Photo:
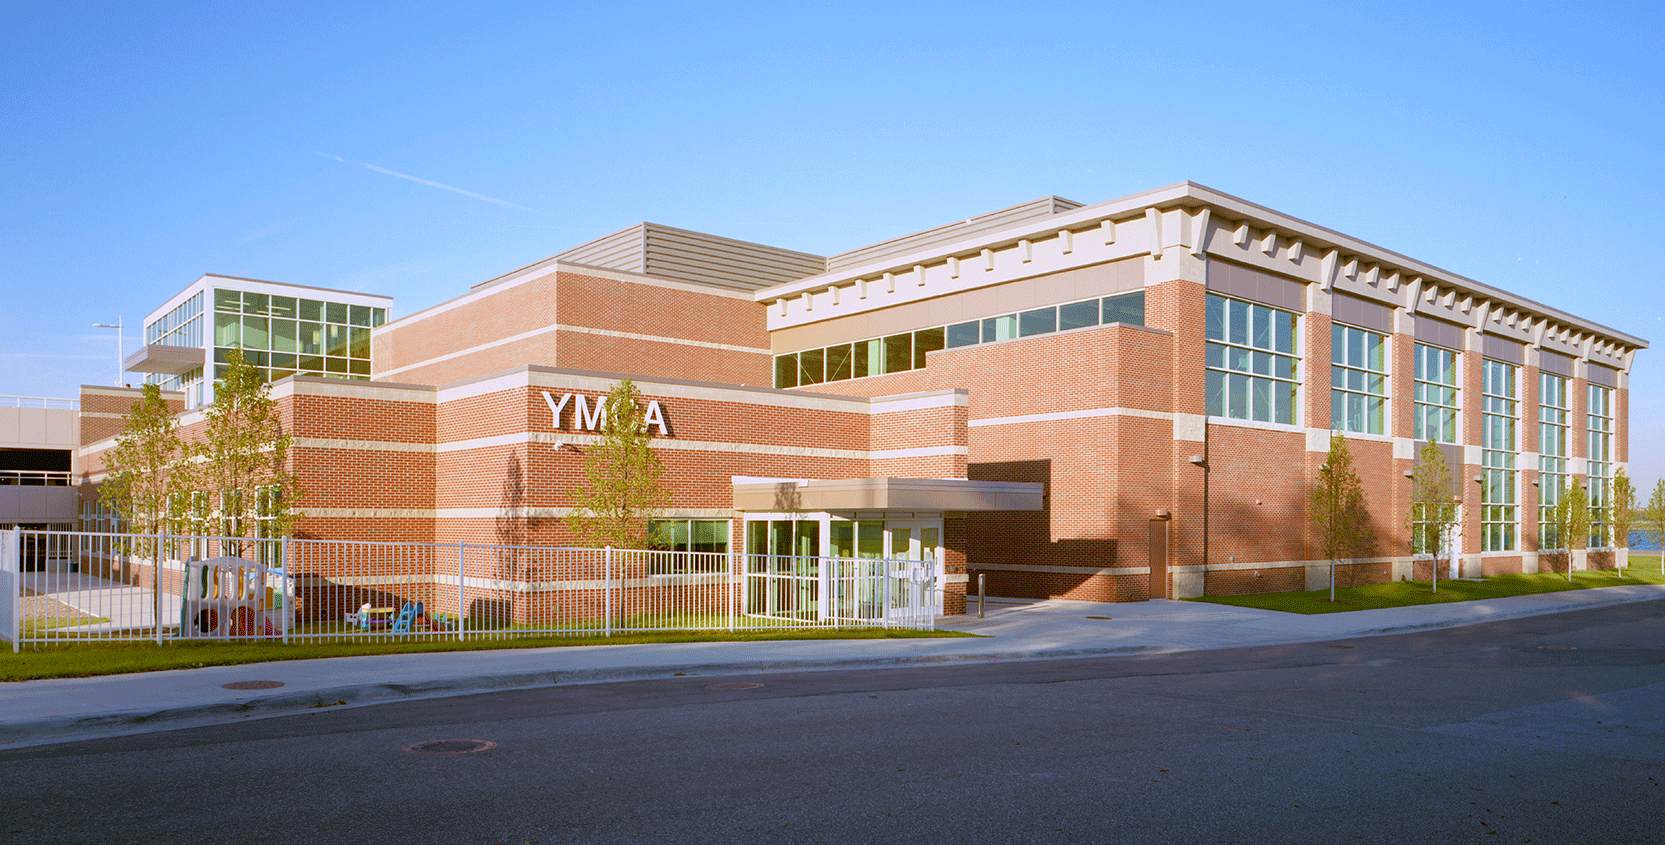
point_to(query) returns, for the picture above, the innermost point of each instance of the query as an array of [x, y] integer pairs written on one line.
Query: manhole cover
[[450, 746], [738, 685], [1558, 648], [1098, 617], [253, 685]]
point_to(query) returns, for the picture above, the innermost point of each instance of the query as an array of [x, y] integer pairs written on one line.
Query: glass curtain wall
[[286, 335], [180, 327]]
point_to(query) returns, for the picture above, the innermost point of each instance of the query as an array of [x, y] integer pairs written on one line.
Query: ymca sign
[[588, 417]]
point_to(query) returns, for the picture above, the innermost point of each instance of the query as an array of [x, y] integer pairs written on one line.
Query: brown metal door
[[1159, 558]]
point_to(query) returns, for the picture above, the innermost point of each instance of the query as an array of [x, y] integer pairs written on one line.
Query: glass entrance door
[[782, 567], [913, 548]]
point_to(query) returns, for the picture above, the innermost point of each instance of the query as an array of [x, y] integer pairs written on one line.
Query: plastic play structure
[[384, 620], [231, 597]]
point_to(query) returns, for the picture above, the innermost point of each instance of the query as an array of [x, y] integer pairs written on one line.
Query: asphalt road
[[1546, 730]]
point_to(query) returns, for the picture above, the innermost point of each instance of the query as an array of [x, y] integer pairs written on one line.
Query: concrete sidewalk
[[62, 710]]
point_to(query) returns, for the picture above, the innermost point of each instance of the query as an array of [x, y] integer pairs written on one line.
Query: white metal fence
[[67, 586]]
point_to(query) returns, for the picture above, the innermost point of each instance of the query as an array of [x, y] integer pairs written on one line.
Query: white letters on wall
[[588, 417]]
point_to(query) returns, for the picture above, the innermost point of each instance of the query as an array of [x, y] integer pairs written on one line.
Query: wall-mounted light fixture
[[1197, 460]]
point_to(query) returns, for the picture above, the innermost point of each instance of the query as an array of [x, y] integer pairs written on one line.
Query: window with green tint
[[1125, 308], [284, 337], [335, 340], [1435, 393], [228, 300], [283, 306], [310, 363], [359, 315], [256, 303], [812, 366], [1038, 321], [1000, 328], [1246, 377], [359, 342], [838, 362], [1554, 417], [865, 358], [1499, 410], [358, 367], [283, 359], [925, 340], [1598, 407], [378, 316], [1358, 380], [965, 334], [335, 365], [898, 353], [1078, 315], [310, 309], [311, 338], [335, 312], [228, 330], [786, 370], [254, 333]]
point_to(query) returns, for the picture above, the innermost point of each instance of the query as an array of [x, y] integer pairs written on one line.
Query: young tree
[[240, 465], [1433, 506], [1622, 514], [1336, 507], [1653, 520], [144, 480], [625, 486], [1570, 521]]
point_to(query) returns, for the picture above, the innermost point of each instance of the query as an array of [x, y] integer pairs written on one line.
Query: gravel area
[[37, 606]]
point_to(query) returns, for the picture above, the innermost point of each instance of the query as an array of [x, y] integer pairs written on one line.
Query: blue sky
[[415, 150]]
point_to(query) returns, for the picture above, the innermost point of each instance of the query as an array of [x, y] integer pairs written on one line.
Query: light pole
[[120, 346]]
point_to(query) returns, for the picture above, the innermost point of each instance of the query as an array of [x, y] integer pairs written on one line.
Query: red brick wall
[[406, 350]]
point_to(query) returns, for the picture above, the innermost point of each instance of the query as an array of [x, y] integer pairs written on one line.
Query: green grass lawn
[[1644, 569], [93, 658]]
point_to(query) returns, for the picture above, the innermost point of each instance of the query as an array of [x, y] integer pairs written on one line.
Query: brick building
[[1112, 402]]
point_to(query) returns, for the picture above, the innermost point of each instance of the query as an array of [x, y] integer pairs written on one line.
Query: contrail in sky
[[440, 185]]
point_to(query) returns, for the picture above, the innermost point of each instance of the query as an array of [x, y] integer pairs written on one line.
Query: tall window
[[1358, 380], [1497, 457], [1436, 394], [1252, 371], [1600, 468], [1552, 454]]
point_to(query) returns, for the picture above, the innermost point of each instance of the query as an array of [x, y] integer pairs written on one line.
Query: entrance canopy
[[906, 494]]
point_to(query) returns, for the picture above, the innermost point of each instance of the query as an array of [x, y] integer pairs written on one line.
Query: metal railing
[[39, 402], [33, 478], [71, 586]]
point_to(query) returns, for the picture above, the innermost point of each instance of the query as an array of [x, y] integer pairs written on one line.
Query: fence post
[[733, 593], [11, 575], [156, 581], [607, 592], [288, 607], [461, 628], [884, 609]]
